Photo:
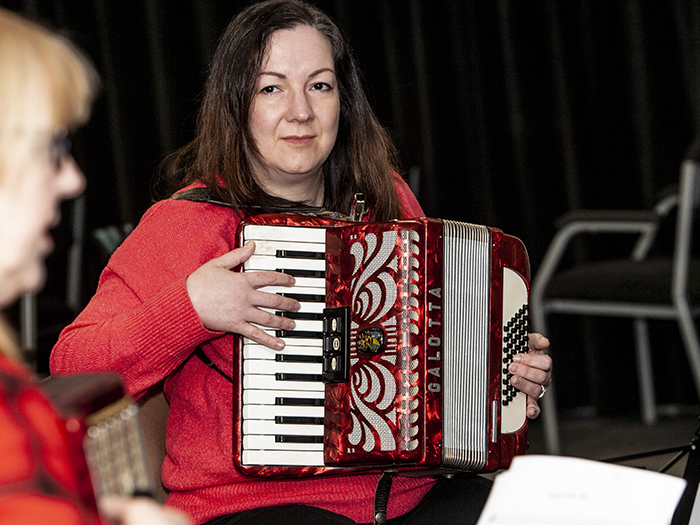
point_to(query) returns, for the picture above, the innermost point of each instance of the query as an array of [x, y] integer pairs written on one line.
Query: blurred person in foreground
[[46, 90]]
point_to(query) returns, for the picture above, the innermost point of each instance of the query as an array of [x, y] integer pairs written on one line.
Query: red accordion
[[400, 354], [104, 436]]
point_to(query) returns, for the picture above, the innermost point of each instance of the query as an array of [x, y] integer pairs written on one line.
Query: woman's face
[[295, 114], [37, 174]]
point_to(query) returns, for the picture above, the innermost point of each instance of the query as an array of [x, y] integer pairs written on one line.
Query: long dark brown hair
[[362, 160]]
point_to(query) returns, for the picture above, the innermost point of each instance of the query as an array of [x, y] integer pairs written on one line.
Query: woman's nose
[[70, 180], [300, 107]]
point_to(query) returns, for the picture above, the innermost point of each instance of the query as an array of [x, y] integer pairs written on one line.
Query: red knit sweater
[[39, 483], [142, 325]]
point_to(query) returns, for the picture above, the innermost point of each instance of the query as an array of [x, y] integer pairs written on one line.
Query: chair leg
[[686, 324], [644, 371], [29, 328], [551, 423]]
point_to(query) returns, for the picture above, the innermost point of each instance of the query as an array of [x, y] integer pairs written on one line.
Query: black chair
[[640, 287]]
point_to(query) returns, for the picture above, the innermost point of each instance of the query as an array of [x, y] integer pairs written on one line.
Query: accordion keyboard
[[283, 391]]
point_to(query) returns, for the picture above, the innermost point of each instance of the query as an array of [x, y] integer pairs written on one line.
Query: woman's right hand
[[228, 301]]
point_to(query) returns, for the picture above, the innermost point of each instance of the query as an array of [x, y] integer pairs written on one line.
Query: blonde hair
[[37, 62], [34, 58]]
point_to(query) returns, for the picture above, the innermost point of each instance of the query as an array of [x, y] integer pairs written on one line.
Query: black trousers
[[458, 500]]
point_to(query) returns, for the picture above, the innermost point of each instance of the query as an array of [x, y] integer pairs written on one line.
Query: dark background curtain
[[512, 113]]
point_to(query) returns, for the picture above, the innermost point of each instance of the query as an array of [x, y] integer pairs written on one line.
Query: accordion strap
[[204, 195], [205, 359], [199, 195], [381, 497]]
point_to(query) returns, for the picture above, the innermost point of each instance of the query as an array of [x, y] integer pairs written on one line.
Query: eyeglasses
[[60, 148]]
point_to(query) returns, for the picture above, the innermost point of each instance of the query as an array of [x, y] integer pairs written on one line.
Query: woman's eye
[[321, 86], [269, 89], [59, 149]]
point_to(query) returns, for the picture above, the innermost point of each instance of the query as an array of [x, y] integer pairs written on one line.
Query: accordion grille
[[115, 451], [466, 266]]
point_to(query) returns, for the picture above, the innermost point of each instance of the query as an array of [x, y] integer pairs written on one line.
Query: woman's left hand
[[118, 510], [532, 372]]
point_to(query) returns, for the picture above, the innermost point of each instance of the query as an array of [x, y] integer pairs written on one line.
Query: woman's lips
[[299, 140]]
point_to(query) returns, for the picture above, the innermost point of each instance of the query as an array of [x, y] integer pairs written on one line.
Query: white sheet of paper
[[548, 490]]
